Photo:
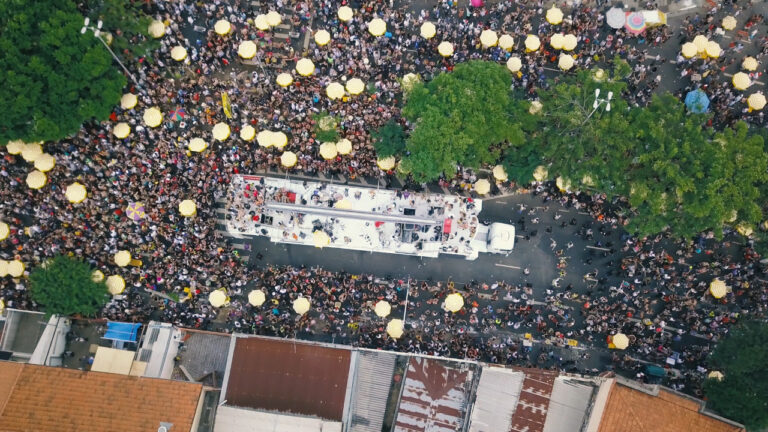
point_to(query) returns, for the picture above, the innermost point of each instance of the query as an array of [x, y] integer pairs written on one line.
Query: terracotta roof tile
[[9, 373], [629, 410], [51, 399]]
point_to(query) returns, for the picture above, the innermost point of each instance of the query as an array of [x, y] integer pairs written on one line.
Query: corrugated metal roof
[[496, 399], [568, 405]]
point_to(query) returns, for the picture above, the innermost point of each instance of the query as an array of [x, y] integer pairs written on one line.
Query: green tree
[[64, 287], [53, 77], [389, 139], [742, 395], [325, 127], [125, 21], [459, 117]]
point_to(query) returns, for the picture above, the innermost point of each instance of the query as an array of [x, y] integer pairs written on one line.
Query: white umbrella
[[454, 302], [445, 49], [322, 37], [217, 298], [247, 49], [499, 173], [153, 117], [222, 27], [382, 308], [121, 130], [620, 341], [355, 86], [345, 13], [488, 38], [305, 67], [45, 162], [197, 145], [128, 101], [428, 30], [377, 27], [256, 297], [301, 305], [115, 284], [328, 150], [221, 131], [395, 328], [482, 186], [285, 79], [344, 146], [156, 29], [288, 159], [274, 19], [514, 64], [615, 18], [334, 91], [178, 53], [247, 132], [123, 258], [506, 42], [261, 22], [187, 208], [565, 62]]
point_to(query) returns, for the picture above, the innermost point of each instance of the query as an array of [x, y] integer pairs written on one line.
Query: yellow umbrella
[[689, 50], [554, 15], [741, 81], [128, 101], [45, 162], [261, 22], [355, 86], [36, 179], [445, 49], [278, 139], [713, 49], [247, 133], [305, 67], [121, 130], [5, 230], [15, 268], [197, 145], [218, 298], [506, 42], [178, 53], [382, 308], [482, 186], [344, 146], [328, 150], [701, 43], [409, 80], [187, 208], [716, 375], [3, 268], [541, 173], [569, 42], [256, 297], [321, 239], [222, 27], [750, 64], [499, 173], [565, 62], [322, 37], [274, 19], [284, 79], [334, 91], [488, 38], [557, 40], [122, 258], [31, 152], [264, 138], [386, 164], [76, 193], [395, 328], [156, 29], [15, 147], [345, 13], [153, 117], [221, 131], [729, 23], [344, 204], [288, 159], [247, 49], [301, 305], [756, 101], [454, 302], [377, 27], [717, 288], [532, 43], [563, 184], [428, 30], [97, 276], [744, 229], [620, 341], [514, 64]]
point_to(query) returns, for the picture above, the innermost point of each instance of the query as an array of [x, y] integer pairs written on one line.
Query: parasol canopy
[[386, 164], [514, 64], [454, 302], [36, 179], [328, 150], [217, 298], [178, 53], [288, 159], [557, 40], [756, 101], [355, 86], [689, 50], [540, 173], [717, 288], [615, 18], [532, 43], [729, 23], [409, 80], [45, 162], [382, 308], [499, 173], [741, 81], [635, 23], [482, 186], [301, 305], [322, 37], [221, 131], [222, 27], [31, 152], [716, 375], [750, 64], [321, 239], [247, 49], [122, 258], [701, 42], [261, 22], [274, 19], [197, 145], [156, 29], [135, 211], [97, 276], [506, 42], [264, 138], [247, 133], [76, 193], [284, 79], [488, 38], [377, 27], [334, 91], [153, 117], [554, 15], [445, 49], [569, 42], [128, 101], [5, 230], [115, 284], [178, 114], [344, 146], [187, 208], [565, 62], [697, 101], [713, 49], [15, 147], [428, 30], [3, 268], [15, 268], [395, 328], [305, 67], [256, 297], [121, 130], [278, 139], [345, 13], [620, 341]]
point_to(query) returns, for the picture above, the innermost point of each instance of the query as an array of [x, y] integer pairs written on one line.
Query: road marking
[[599, 248], [519, 236], [508, 266]]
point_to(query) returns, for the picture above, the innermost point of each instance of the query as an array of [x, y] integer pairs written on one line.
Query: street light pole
[[596, 104], [97, 34]]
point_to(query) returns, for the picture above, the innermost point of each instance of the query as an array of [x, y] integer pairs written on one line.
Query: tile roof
[[48, 399], [629, 410]]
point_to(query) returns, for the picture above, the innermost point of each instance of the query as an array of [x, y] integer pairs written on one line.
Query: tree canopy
[[64, 287], [54, 78], [389, 139], [742, 395]]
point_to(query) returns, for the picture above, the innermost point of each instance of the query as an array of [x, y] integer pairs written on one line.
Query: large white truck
[[498, 238]]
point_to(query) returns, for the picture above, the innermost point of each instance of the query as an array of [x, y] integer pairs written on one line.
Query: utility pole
[[97, 33]]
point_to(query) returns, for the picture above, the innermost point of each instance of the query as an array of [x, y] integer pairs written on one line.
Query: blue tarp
[[120, 331], [697, 101]]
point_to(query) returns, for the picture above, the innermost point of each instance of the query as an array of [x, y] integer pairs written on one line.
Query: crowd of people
[[662, 285]]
